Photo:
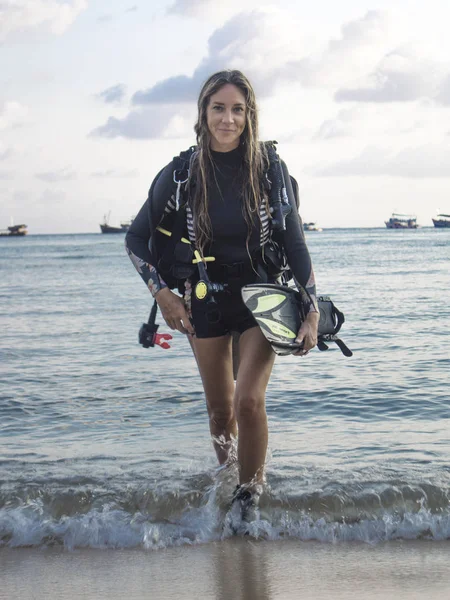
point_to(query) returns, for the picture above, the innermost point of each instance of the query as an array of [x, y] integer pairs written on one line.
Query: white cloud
[[151, 122], [104, 19], [340, 126], [368, 29], [114, 94], [211, 9], [188, 7], [443, 95], [265, 43], [6, 175], [17, 16], [119, 173], [179, 88], [403, 75], [138, 124], [374, 123], [64, 174], [431, 160], [12, 114], [248, 41], [347, 57]]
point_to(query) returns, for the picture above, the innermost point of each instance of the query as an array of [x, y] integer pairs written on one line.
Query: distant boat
[[398, 221], [126, 225], [441, 221], [311, 227], [14, 231], [105, 227]]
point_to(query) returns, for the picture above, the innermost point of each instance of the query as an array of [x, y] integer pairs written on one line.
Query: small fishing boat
[[105, 227], [441, 220], [398, 221], [14, 231], [125, 226], [311, 227]]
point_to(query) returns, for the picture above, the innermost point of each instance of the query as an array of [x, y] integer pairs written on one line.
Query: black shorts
[[228, 313]]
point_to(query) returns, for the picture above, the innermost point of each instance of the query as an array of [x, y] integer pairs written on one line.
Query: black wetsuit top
[[229, 228]]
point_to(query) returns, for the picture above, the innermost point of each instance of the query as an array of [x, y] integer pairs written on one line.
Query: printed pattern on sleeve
[[149, 274]]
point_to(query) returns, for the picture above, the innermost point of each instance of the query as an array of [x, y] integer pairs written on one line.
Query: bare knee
[[250, 408], [221, 417]]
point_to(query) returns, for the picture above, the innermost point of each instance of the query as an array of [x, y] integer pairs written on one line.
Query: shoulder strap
[[278, 199], [181, 165], [295, 190], [181, 173]]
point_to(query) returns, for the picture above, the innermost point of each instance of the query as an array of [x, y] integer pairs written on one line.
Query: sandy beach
[[237, 569]]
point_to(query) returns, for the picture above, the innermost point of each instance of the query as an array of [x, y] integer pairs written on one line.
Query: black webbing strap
[[181, 164], [166, 260], [278, 200], [340, 318], [333, 338]]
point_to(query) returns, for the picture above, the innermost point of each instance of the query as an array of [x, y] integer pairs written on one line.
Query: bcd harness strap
[[181, 171], [279, 202]]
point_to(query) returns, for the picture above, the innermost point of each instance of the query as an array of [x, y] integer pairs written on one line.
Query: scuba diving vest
[[173, 251]]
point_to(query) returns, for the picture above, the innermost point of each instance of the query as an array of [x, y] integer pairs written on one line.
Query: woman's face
[[226, 118]]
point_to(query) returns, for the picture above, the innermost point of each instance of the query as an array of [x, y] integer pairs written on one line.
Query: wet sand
[[236, 569]]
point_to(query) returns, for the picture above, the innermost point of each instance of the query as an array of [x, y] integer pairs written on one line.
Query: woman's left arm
[[300, 264]]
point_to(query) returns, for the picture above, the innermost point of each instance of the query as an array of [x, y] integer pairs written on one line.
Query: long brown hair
[[254, 156]]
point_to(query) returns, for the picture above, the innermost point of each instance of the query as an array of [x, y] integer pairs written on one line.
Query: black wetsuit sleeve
[[137, 239], [295, 246]]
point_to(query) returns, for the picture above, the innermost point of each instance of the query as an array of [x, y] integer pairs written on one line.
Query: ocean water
[[105, 444]]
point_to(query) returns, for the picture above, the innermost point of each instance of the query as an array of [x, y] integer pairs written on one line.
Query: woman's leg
[[215, 364], [256, 362]]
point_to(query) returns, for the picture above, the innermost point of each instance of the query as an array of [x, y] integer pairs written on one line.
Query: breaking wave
[[91, 517]]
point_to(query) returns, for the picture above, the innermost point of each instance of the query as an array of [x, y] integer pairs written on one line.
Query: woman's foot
[[244, 505]]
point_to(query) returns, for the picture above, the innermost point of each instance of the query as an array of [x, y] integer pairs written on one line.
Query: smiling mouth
[[228, 130]]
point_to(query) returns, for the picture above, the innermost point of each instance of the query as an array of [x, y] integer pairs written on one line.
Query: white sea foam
[[29, 525]]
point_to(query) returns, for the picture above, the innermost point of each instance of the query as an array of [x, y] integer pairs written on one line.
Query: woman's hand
[[307, 334], [173, 311]]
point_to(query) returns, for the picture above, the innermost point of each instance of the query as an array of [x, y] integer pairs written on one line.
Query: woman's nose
[[227, 116]]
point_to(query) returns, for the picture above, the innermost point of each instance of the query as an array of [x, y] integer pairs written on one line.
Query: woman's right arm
[[158, 203], [137, 240], [137, 246]]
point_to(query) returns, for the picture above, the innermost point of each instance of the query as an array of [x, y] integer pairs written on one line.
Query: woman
[[228, 217]]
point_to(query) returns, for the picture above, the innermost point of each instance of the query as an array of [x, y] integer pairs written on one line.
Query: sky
[[96, 96]]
